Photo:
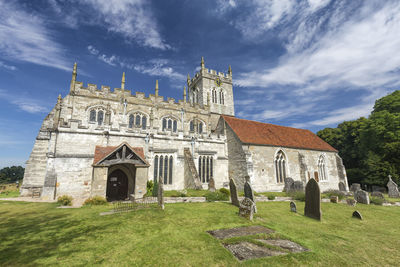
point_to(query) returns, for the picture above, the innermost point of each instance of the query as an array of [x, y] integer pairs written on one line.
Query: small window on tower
[[92, 117], [100, 117]]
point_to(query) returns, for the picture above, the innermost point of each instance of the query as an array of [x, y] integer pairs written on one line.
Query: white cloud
[[24, 37], [23, 103], [6, 66], [93, 50], [131, 18], [110, 60]]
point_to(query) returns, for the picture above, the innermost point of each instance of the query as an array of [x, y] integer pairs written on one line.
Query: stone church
[[103, 142]]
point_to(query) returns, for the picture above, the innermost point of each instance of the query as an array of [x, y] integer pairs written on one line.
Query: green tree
[[11, 174]]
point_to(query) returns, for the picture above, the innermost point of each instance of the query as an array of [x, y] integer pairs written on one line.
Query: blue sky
[[309, 64]]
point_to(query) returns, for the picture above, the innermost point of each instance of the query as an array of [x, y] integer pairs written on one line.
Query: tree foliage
[[11, 174], [370, 147]]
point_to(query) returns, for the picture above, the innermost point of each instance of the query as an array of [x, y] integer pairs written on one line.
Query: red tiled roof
[[102, 151], [258, 133]]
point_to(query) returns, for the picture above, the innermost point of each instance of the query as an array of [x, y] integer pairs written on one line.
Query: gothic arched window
[[170, 124], [321, 168], [196, 126], [100, 117], [280, 167], [92, 117], [137, 120], [163, 168]]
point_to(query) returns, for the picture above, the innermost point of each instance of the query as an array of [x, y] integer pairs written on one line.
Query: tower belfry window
[[137, 120]]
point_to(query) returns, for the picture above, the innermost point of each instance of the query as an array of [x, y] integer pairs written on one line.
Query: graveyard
[[42, 234]]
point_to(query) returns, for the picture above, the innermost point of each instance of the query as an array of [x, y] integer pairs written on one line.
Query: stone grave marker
[[160, 195], [355, 187], [342, 186], [334, 199], [234, 193], [312, 207], [361, 196], [293, 207], [393, 189], [351, 202], [377, 194], [247, 208], [298, 186], [289, 185], [211, 185], [357, 214], [249, 193]]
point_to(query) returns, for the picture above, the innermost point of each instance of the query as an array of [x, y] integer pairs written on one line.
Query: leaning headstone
[[160, 195], [293, 207], [247, 208], [342, 186], [289, 185], [249, 193], [334, 199], [355, 187], [362, 196], [234, 192], [357, 214], [211, 185], [351, 202], [393, 189], [312, 207], [377, 194], [298, 186]]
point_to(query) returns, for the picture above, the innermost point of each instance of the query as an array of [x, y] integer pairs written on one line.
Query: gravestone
[[293, 207], [298, 186], [249, 193], [393, 189], [160, 195], [357, 214], [355, 187], [289, 185], [361, 196], [377, 194], [376, 188], [334, 199], [312, 207], [351, 202], [234, 193], [342, 186], [211, 185], [247, 208]]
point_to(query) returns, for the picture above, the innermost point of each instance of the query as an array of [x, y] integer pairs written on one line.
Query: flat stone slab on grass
[[247, 250], [240, 231], [285, 244]]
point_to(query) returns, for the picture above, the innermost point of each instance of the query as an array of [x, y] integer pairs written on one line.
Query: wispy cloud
[[133, 19], [6, 66], [330, 47], [24, 37], [24, 103]]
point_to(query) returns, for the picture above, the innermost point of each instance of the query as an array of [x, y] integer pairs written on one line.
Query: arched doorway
[[117, 186]]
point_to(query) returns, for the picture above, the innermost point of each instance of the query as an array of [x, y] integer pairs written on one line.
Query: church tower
[[215, 85]]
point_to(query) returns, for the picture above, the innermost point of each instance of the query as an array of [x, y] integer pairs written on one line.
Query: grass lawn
[[41, 234], [10, 190]]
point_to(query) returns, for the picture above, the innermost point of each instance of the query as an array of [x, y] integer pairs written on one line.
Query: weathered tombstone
[[355, 187], [357, 214], [211, 185], [234, 193], [289, 185], [293, 207], [334, 199], [160, 195], [298, 186], [393, 189], [342, 186], [351, 202], [312, 207], [248, 191], [247, 208], [362, 196], [377, 194]]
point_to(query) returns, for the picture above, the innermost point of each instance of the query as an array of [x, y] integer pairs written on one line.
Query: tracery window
[[280, 167], [169, 124], [197, 127], [96, 115], [205, 167], [214, 95], [137, 120], [321, 168], [221, 98], [163, 167]]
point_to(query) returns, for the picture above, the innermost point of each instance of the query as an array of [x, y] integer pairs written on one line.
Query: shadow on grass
[[31, 236]]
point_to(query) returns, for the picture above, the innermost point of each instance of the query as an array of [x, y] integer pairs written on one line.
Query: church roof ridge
[[260, 133]]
